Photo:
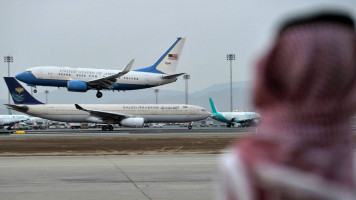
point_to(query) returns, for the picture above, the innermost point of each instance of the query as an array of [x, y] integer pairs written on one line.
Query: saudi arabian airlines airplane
[[129, 115], [84, 79], [246, 119]]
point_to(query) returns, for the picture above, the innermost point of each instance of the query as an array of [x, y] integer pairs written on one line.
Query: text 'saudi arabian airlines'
[[129, 115], [246, 119], [84, 79]]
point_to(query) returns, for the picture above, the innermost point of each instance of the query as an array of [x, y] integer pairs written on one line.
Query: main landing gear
[[35, 90], [107, 128], [190, 126], [99, 94]]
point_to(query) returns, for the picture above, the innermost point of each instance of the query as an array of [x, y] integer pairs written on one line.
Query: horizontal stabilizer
[[172, 76], [22, 109]]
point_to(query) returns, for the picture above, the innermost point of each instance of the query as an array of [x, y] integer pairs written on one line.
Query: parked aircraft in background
[[130, 115], [83, 79], [10, 120], [246, 119]]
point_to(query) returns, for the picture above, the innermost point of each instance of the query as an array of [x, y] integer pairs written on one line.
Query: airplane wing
[[106, 82], [19, 108], [172, 76], [103, 114]]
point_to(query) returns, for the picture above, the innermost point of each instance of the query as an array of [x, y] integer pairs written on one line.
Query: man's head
[[311, 68]]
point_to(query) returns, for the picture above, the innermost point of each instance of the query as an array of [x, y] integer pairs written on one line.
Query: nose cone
[[26, 77], [21, 76]]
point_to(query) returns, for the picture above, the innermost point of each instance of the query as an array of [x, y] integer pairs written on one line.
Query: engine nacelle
[[132, 122], [77, 86]]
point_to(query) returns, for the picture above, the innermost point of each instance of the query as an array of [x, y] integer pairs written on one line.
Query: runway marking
[[133, 182]]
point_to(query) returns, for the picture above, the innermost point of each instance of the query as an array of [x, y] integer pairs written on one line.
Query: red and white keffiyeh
[[305, 89]]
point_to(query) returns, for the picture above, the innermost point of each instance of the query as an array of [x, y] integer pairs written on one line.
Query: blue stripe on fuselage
[[30, 79], [130, 87]]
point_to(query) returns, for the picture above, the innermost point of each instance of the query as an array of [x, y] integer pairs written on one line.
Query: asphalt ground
[[137, 164], [134, 177]]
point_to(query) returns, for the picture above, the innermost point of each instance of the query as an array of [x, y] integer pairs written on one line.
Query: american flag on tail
[[172, 56]]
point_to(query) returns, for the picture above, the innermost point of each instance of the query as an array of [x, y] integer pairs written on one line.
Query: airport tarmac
[[109, 177], [162, 163], [123, 164]]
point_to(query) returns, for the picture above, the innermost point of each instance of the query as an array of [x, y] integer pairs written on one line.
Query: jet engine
[[77, 86], [132, 122]]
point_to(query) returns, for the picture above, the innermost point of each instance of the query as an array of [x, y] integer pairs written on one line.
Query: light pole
[[8, 59], [230, 57], [156, 91], [186, 78], [46, 92]]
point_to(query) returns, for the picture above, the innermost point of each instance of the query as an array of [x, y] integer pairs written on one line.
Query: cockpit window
[[28, 71]]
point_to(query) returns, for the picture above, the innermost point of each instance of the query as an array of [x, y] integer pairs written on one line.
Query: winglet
[[78, 107], [128, 67]]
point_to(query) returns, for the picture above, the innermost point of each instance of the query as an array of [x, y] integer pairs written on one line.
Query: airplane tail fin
[[18, 93], [213, 109], [167, 63]]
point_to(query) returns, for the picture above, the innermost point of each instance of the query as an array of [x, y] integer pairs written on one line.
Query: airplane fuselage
[[151, 113], [59, 77], [235, 116], [11, 119]]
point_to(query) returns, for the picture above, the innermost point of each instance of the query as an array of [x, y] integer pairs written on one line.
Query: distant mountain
[[219, 92]]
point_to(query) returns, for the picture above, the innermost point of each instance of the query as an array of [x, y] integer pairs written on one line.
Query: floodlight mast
[[8, 59], [230, 57]]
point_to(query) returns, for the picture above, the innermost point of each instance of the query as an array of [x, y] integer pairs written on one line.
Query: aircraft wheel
[[110, 127], [104, 128], [229, 125], [190, 127], [99, 94], [35, 90]]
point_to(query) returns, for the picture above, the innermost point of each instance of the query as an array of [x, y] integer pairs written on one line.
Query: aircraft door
[[146, 79], [40, 74], [189, 112]]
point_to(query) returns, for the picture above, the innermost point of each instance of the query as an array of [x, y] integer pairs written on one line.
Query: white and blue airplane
[[245, 119], [84, 79], [9, 120]]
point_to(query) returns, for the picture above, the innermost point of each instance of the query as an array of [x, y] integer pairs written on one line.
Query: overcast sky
[[107, 34]]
